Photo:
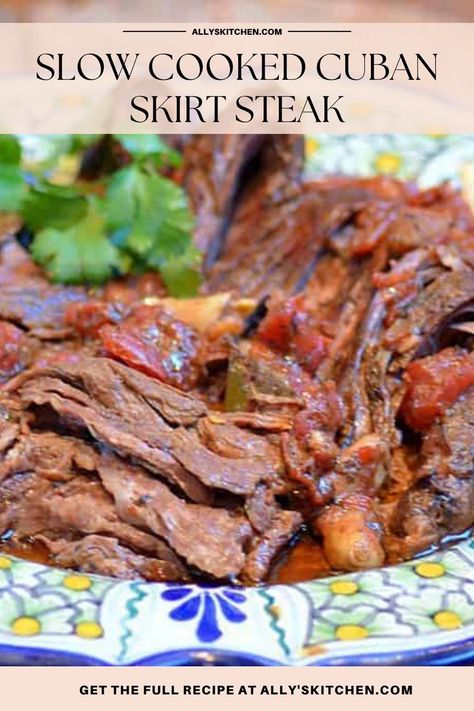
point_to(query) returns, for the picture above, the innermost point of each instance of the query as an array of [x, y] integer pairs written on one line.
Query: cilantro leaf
[[143, 222], [149, 219], [12, 183], [182, 275], [149, 145], [47, 205], [148, 215], [81, 253], [12, 187], [10, 149]]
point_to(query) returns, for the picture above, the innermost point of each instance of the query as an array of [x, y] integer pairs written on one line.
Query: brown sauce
[[302, 561], [34, 551]]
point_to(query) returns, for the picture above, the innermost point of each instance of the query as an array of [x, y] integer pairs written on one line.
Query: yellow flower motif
[[5, 563], [388, 163], [78, 583], [430, 570], [350, 633], [89, 630], [344, 587], [312, 146], [26, 626], [447, 620]]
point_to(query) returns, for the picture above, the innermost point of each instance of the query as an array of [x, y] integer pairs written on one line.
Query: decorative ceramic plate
[[416, 613]]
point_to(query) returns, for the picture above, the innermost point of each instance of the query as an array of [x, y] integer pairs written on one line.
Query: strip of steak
[[49, 493], [278, 237], [216, 169], [440, 497], [102, 555], [265, 547], [210, 539], [95, 395], [31, 505]]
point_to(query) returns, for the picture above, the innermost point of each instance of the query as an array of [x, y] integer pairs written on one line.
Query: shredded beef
[[440, 496], [170, 434], [106, 556], [217, 169], [265, 547], [211, 539], [329, 393], [120, 407]]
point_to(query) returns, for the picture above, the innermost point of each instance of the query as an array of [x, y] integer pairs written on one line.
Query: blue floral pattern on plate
[[204, 605]]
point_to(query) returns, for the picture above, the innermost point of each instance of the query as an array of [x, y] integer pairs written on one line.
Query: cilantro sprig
[[47, 205], [80, 253], [133, 220], [12, 183]]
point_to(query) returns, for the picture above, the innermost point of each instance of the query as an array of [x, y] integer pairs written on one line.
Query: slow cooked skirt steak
[[318, 395]]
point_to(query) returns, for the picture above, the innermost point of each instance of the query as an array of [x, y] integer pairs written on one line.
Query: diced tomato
[[310, 349], [131, 347], [12, 340], [151, 341], [288, 329], [434, 383], [87, 318], [279, 325]]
